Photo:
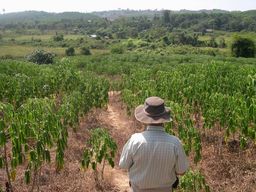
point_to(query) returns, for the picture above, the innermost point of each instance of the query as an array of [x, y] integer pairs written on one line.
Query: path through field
[[121, 127]]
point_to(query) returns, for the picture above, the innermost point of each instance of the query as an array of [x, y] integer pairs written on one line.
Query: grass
[[228, 36], [22, 51], [23, 44]]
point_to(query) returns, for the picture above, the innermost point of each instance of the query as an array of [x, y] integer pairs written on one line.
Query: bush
[[70, 51], [243, 47], [130, 44], [85, 51], [212, 43], [41, 57], [117, 50], [58, 37], [222, 43], [166, 40]]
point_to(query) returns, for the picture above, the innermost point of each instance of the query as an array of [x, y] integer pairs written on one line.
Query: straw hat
[[153, 111]]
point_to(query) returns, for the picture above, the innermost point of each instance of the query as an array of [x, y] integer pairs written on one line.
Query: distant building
[[93, 36], [209, 30]]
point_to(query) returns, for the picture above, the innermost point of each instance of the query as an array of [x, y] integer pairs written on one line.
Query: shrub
[[41, 57], [58, 37], [85, 51], [117, 50], [70, 51], [222, 43], [212, 43], [243, 47], [64, 45], [166, 40], [130, 44]]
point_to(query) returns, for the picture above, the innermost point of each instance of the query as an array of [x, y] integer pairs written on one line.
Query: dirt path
[[121, 127]]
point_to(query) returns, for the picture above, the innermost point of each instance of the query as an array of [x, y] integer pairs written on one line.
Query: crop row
[[37, 107]]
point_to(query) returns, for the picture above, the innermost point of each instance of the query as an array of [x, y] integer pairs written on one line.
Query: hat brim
[[141, 116]]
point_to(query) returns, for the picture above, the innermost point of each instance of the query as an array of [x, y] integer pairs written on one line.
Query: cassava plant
[[100, 148]]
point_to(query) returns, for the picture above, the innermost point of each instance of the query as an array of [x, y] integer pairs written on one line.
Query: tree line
[[130, 23]]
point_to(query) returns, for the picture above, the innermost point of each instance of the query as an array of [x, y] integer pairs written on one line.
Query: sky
[[100, 5]]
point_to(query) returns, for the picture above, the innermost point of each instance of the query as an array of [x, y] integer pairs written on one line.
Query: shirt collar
[[155, 128]]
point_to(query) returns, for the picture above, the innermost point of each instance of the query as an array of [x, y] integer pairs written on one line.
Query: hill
[[119, 20]]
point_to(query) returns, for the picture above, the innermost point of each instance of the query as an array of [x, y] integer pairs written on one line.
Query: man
[[153, 158]]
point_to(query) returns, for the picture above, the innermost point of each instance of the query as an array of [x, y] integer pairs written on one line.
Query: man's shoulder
[[172, 137], [175, 140], [140, 137], [136, 136]]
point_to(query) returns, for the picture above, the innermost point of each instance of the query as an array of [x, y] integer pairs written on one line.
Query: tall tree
[[166, 17]]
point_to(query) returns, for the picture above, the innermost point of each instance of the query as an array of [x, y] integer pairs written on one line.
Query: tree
[[85, 51], [166, 17], [117, 49], [166, 40], [41, 57], [243, 47], [212, 42], [70, 51], [58, 37], [222, 43]]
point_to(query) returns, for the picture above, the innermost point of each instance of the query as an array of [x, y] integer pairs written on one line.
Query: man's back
[[153, 158]]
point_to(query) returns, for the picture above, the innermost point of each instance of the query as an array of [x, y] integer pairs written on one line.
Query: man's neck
[[155, 128], [156, 125]]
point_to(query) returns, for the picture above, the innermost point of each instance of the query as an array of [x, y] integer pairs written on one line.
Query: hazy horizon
[[107, 5]]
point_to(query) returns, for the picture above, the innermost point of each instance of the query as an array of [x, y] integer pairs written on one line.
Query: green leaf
[[47, 156], [32, 155], [2, 138], [26, 147], [111, 162], [94, 166], [20, 158], [27, 176], [1, 162], [83, 163], [14, 162], [242, 143]]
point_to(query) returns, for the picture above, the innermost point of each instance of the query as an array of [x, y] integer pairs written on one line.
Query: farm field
[[65, 119], [210, 134]]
